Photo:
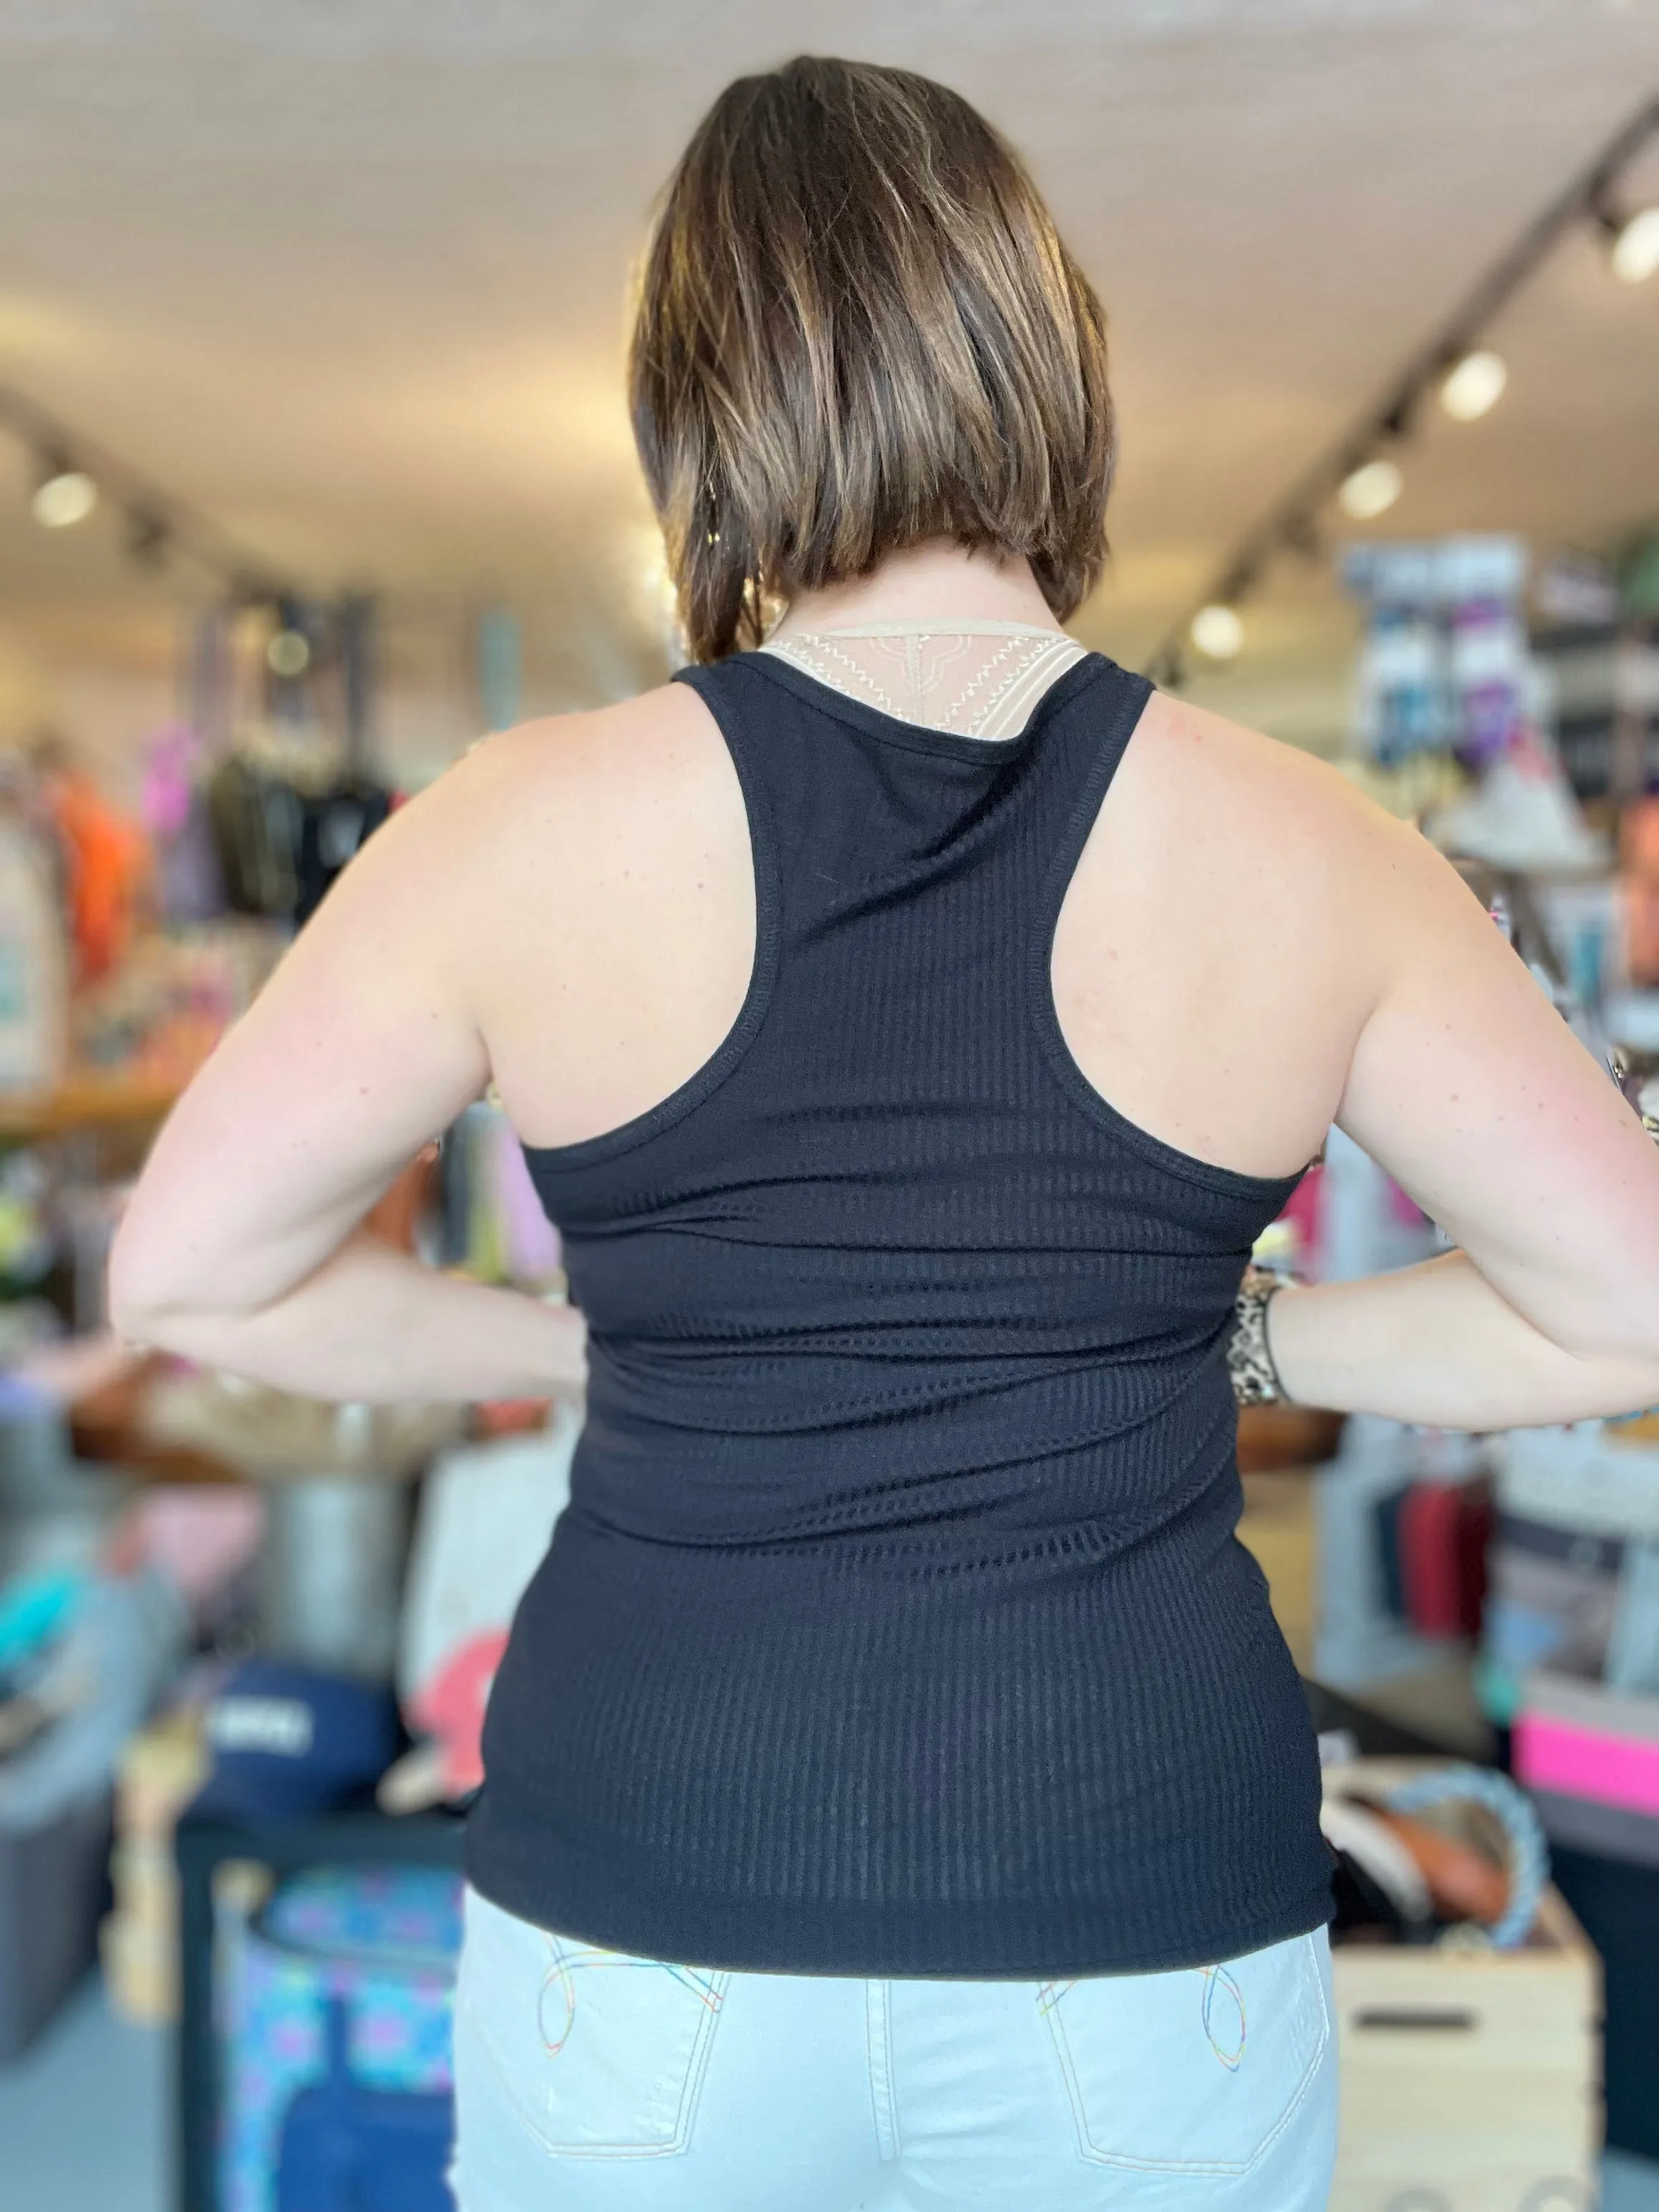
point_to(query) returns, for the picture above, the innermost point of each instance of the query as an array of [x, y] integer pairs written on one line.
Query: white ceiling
[[349, 274]]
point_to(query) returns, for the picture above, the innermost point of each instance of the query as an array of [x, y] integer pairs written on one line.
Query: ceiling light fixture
[[1453, 365], [1474, 386], [288, 653], [1636, 247], [64, 497], [1218, 632], [1369, 490]]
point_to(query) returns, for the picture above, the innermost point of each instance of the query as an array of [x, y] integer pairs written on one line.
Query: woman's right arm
[[1468, 1087]]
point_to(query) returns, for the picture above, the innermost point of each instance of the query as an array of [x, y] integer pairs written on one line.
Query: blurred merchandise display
[[1596, 632], [86, 1216], [269, 1436], [282, 1739], [1571, 1652], [34, 953], [1523, 814], [1638, 868], [485, 1517], [164, 1009], [205, 1539], [330, 1570], [1404, 1514], [94, 1679], [336, 1482], [287, 814], [160, 1770], [492, 1221], [1456, 1970], [88, 1655], [1590, 1756], [129, 945], [189, 880], [1446, 674], [107, 861], [337, 1994], [28, 1232]]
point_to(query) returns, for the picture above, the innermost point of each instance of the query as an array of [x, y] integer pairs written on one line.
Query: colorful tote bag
[[335, 2003]]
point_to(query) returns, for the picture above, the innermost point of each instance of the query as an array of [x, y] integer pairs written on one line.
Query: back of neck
[[931, 587]]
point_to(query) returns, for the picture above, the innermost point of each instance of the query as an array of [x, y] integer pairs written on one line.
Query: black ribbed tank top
[[897, 1625]]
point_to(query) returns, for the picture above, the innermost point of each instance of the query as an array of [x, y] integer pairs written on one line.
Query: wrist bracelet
[[1255, 1379]]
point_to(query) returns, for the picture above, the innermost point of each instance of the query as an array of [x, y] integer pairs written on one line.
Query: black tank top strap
[[853, 811]]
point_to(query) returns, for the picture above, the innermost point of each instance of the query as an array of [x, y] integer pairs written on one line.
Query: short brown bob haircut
[[858, 329]]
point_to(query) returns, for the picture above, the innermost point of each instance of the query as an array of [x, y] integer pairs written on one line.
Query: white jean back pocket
[[1198, 2071], [602, 2054]]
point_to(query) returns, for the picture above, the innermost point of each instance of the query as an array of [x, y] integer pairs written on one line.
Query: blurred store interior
[[315, 465]]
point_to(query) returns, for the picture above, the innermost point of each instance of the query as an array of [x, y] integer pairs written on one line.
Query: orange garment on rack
[[108, 860]]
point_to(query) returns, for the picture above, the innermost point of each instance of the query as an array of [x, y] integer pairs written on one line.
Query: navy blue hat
[[287, 1740]]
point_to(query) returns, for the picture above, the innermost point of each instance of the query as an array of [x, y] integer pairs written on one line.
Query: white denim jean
[[591, 2080]]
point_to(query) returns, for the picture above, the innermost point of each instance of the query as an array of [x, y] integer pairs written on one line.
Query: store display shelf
[[88, 1099], [1274, 1436]]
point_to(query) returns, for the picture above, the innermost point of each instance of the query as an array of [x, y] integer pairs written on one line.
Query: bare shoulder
[[571, 767], [572, 796], [598, 905], [549, 829], [1216, 958], [1229, 782], [1272, 819]]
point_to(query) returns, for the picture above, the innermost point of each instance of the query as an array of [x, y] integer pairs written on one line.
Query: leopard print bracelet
[[1249, 1363]]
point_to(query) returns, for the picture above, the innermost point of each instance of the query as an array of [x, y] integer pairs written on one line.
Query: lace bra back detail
[[972, 679]]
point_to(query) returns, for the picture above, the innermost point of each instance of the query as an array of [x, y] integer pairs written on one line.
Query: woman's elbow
[[141, 1302], [1621, 1331]]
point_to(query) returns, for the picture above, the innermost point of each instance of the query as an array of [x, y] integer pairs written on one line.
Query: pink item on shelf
[[531, 1241], [1576, 1761], [1305, 1214], [450, 1709], [486, 1512], [169, 767], [201, 1538]]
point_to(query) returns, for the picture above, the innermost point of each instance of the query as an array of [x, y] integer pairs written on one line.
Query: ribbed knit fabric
[[897, 1625]]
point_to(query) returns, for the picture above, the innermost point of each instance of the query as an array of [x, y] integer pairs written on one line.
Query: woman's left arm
[[241, 1245]]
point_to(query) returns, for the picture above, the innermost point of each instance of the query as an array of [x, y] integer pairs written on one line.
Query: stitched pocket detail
[[1196, 2072], [602, 2054]]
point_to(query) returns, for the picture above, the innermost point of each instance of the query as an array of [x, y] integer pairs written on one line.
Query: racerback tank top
[[896, 1624]]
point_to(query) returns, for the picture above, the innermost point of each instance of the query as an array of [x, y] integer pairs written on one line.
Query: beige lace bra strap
[[979, 679]]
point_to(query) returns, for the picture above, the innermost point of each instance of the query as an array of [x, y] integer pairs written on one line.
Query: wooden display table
[[1271, 1437], [88, 1099]]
